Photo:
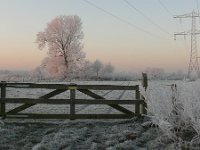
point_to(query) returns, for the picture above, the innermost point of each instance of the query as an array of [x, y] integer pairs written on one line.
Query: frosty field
[[109, 134]]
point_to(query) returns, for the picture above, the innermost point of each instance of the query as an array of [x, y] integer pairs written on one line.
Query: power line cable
[[197, 1], [166, 10], [120, 19], [165, 7], [146, 17]]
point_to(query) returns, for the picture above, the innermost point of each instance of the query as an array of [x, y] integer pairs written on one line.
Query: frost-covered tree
[[86, 71], [62, 37], [97, 67], [155, 73], [38, 74], [108, 68]]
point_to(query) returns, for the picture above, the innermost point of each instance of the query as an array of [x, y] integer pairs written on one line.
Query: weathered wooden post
[[145, 85], [137, 96], [144, 80], [144, 108], [72, 88], [3, 95]]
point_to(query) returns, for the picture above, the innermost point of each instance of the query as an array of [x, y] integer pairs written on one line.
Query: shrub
[[176, 110]]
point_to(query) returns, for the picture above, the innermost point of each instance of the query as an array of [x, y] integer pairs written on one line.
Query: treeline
[[96, 70], [91, 71]]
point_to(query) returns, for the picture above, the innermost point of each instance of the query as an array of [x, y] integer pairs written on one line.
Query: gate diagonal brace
[[46, 96], [96, 96]]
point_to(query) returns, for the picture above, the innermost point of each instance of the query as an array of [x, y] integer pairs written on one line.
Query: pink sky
[[106, 38]]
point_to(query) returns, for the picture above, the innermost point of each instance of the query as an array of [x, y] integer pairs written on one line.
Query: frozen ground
[[78, 135], [84, 134]]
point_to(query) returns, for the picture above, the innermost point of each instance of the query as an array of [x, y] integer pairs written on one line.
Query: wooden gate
[[138, 102]]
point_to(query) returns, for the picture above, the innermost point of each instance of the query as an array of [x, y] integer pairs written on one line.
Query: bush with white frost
[[176, 110]]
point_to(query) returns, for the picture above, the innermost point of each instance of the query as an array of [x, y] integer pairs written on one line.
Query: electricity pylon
[[193, 64]]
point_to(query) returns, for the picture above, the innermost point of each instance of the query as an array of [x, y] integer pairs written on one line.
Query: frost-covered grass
[[78, 135], [176, 110]]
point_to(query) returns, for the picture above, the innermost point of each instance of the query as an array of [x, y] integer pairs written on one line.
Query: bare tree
[[63, 37], [97, 67], [87, 70], [155, 73], [38, 74], [108, 68]]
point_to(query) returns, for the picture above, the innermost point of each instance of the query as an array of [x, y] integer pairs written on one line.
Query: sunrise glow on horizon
[[105, 37]]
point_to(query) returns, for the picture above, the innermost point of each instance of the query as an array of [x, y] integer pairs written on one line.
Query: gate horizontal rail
[[68, 116], [69, 86]]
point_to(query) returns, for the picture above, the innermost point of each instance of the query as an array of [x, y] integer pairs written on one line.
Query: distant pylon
[[193, 63]]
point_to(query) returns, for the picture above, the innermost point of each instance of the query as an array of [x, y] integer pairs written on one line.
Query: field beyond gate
[[72, 101]]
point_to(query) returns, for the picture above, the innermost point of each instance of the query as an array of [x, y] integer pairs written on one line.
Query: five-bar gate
[[25, 102]]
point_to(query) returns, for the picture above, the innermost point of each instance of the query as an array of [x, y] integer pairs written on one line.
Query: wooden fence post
[[144, 81], [137, 92], [72, 89], [144, 107], [3, 95], [137, 96]]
